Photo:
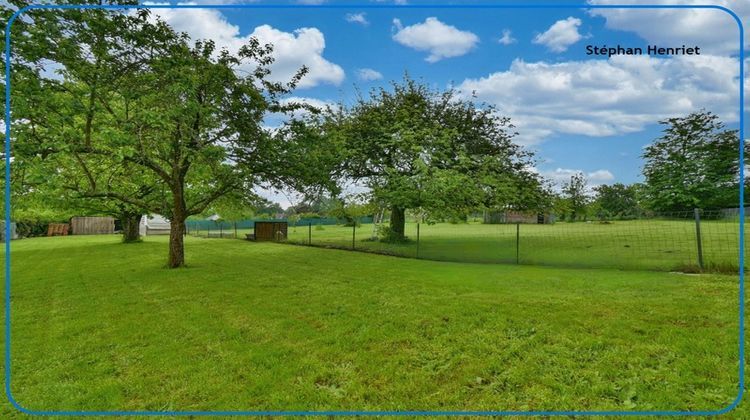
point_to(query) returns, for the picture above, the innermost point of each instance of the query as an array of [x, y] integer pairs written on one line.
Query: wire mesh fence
[[240, 229], [685, 241]]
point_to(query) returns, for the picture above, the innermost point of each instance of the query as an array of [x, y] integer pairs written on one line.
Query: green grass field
[[100, 325], [640, 244]]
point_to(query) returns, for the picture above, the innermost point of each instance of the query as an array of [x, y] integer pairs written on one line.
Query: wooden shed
[[270, 231], [95, 225]]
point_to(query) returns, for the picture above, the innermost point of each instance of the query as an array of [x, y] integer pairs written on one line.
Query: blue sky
[[578, 112]]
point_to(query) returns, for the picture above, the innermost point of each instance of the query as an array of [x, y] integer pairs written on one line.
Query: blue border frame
[[726, 409]]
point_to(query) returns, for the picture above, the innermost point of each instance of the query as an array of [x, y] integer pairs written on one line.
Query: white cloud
[[563, 175], [318, 103], [714, 30], [506, 39], [292, 50], [302, 47], [608, 97], [303, 100], [275, 120], [359, 18], [437, 38], [560, 176], [369, 74], [600, 176], [560, 35]]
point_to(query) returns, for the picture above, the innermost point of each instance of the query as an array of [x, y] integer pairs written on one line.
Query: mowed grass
[[100, 325], [639, 244]]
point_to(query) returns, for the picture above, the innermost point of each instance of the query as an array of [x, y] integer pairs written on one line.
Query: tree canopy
[[695, 163], [414, 147], [617, 200], [142, 119], [575, 196]]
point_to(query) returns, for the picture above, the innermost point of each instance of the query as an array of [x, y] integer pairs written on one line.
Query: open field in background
[[636, 244], [100, 325]]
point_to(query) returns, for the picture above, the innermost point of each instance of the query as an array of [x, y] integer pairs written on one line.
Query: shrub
[[31, 228], [386, 235]]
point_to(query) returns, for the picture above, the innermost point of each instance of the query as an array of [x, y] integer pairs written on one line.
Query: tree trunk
[[398, 222], [176, 243], [131, 227], [177, 228]]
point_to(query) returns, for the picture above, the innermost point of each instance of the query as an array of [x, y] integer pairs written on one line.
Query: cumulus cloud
[[359, 18], [292, 50], [560, 35], [560, 176], [507, 38], [369, 74], [437, 38], [608, 97], [600, 176], [303, 100], [714, 30], [563, 175]]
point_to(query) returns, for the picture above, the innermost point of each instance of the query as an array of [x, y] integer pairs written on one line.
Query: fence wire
[[682, 241]]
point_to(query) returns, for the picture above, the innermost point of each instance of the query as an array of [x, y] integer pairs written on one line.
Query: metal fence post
[[309, 233], [518, 243], [417, 240], [354, 232], [235, 230], [698, 241]]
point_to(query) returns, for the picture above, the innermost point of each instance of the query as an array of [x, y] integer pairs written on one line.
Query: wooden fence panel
[[270, 231], [92, 225], [57, 229]]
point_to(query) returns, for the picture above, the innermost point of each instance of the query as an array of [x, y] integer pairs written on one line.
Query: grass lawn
[[99, 325], [637, 244]]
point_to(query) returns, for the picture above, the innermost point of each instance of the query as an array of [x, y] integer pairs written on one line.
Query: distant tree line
[[693, 164]]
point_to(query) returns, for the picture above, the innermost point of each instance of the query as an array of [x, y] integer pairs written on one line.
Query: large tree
[[695, 163], [617, 200], [575, 195], [177, 123], [67, 66], [418, 148]]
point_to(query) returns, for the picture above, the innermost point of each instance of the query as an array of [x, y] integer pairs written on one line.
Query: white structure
[[153, 224]]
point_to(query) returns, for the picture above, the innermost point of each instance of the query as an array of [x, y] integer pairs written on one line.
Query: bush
[[455, 220], [31, 228], [386, 235], [350, 221]]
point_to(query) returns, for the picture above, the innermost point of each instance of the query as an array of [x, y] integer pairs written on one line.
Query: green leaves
[[139, 120], [618, 200], [419, 148], [574, 194], [693, 164]]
